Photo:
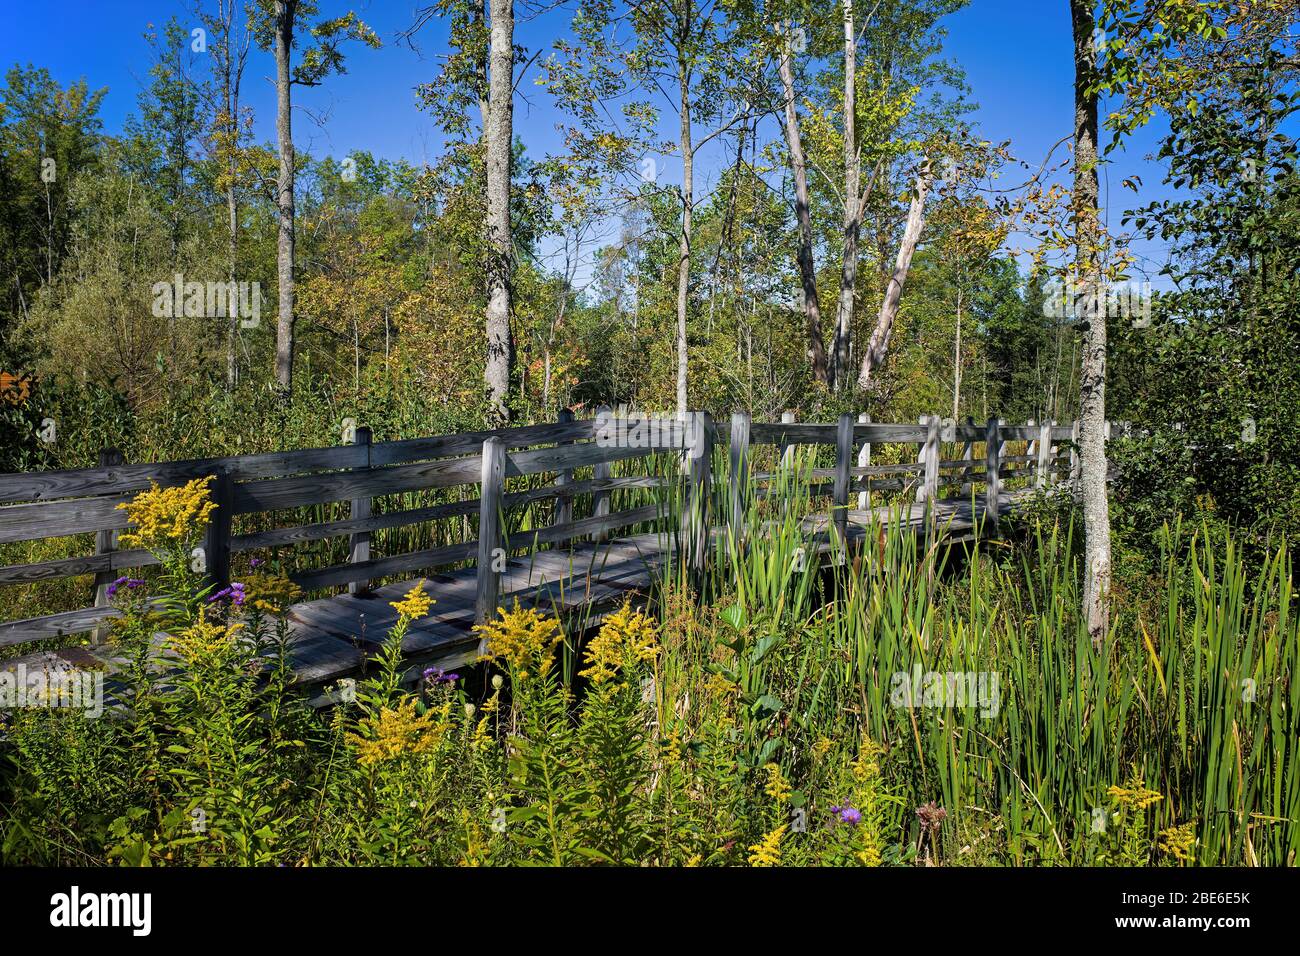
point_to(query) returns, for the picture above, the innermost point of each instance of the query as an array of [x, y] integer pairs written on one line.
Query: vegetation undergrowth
[[908, 706]]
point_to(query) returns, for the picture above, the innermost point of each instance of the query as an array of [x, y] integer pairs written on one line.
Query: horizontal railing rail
[[68, 503]]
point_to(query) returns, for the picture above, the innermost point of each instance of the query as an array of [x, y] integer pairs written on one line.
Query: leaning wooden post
[[105, 543], [843, 462], [693, 532], [491, 550], [359, 550], [564, 503], [992, 468], [216, 543], [864, 461], [929, 489], [601, 472], [1043, 473], [740, 422]]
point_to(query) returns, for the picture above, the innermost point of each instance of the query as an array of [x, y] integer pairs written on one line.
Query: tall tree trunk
[[878, 346], [285, 11], [852, 206], [807, 270], [684, 245], [501, 248], [1092, 373]]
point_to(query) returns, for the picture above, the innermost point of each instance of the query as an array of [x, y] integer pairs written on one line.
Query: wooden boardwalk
[[577, 569]]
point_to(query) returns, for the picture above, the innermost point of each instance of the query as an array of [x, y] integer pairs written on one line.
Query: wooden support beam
[[491, 545], [787, 451], [105, 543], [967, 454], [929, 488], [359, 542], [739, 472], [564, 503], [1076, 466], [693, 535], [992, 464], [843, 464], [600, 471], [216, 543], [1042, 473], [864, 461]]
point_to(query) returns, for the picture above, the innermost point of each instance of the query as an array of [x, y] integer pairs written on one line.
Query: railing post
[[1076, 466], [359, 550], [693, 532], [564, 503], [216, 543], [864, 461], [1043, 474], [992, 467], [600, 472], [740, 422], [491, 552], [843, 462], [967, 454], [787, 450], [929, 489], [105, 543]]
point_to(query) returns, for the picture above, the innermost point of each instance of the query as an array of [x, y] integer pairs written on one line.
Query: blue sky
[[1016, 54]]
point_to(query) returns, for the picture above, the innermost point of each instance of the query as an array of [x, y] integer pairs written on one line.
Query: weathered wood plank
[[383, 567], [54, 625]]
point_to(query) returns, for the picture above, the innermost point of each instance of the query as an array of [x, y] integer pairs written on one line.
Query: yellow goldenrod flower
[[767, 852], [777, 787], [1179, 842], [1136, 797], [522, 638], [165, 518], [415, 605], [869, 855], [397, 732], [271, 593], [204, 642], [822, 747], [627, 636]]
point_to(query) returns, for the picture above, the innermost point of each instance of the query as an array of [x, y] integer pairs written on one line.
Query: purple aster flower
[[234, 594], [436, 675], [255, 563], [851, 816]]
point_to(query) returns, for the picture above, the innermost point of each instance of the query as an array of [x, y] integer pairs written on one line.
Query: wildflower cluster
[[522, 638], [415, 604], [131, 584], [270, 593], [396, 732], [767, 851], [1179, 842], [1134, 797], [626, 637], [165, 518]]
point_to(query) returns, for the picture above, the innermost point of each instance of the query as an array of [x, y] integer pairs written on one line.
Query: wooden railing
[[54, 504]]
